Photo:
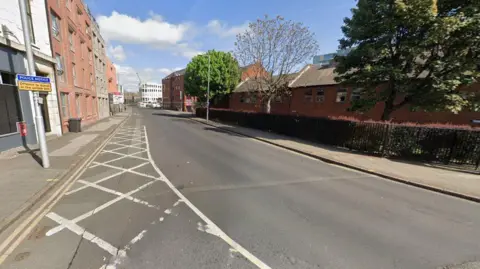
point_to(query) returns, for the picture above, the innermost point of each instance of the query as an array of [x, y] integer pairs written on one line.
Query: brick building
[[100, 66], [72, 46], [174, 92], [111, 71], [316, 93]]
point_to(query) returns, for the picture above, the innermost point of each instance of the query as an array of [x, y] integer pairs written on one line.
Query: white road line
[[129, 146], [124, 147], [106, 178], [129, 132], [123, 157], [249, 256], [26, 227], [126, 140], [128, 197], [84, 233], [128, 170], [98, 209], [130, 136]]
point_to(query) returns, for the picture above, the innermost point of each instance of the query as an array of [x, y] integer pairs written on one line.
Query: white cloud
[[152, 31], [117, 53], [168, 71], [127, 75], [186, 50], [224, 30]]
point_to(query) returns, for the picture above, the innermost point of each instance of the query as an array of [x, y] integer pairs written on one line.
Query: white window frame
[[320, 98], [55, 25], [341, 93]]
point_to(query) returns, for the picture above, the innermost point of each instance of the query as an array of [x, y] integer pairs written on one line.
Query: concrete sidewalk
[[459, 184], [24, 181]]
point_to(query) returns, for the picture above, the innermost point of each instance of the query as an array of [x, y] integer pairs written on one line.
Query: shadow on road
[[222, 131], [170, 115]]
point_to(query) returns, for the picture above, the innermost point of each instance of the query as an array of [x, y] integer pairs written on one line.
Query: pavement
[[461, 184], [168, 192], [24, 181]]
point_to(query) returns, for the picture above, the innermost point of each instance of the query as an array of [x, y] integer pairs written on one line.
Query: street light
[[208, 86], [31, 72]]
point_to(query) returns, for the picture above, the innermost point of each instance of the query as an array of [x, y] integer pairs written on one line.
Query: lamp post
[[31, 72], [208, 87]]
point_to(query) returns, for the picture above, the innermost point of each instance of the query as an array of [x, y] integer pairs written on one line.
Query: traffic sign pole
[[31, 72]]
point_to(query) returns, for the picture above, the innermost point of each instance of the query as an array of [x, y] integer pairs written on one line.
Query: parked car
[[142, 104], [156, 105]]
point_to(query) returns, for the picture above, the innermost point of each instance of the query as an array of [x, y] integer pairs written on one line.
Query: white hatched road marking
[[106, 178], [124, 147], [123, 169], [84, 233], [128, 197], [123, 157], [118, 255], [98, 209]]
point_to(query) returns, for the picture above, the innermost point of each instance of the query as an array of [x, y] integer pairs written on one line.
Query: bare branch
[[280, 47]]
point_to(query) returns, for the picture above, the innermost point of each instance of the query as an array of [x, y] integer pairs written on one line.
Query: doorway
[[45, 115]]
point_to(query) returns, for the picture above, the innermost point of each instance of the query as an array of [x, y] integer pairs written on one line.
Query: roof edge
[[304, 69]]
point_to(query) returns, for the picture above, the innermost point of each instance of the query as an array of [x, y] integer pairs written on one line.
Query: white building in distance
[[151, 92]]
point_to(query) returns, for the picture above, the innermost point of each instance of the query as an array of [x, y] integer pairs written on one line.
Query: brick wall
[[299, 104], [76, 59]]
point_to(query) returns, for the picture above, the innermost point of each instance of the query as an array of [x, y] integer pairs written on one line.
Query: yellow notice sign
[[34, 86]]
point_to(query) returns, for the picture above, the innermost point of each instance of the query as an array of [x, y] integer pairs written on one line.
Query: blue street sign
[[33, 79]]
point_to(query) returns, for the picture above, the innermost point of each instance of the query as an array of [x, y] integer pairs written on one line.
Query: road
[[169, 192]]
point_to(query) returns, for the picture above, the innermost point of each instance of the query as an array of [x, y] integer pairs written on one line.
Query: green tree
[[224, 75], [421, 51]]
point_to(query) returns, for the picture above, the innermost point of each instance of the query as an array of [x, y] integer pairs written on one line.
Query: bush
[[436, 143]]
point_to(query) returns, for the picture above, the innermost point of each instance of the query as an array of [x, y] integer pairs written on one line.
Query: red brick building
[[72, 47], [315, 93], [173, 94], [174, 89]]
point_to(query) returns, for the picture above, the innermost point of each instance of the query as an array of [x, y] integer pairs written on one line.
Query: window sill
[[9, 134]]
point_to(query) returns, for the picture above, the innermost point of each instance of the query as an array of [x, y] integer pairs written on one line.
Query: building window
[[55, 25], [7, 78], [30, 22], [307, 97], [320, 97], [89, 105], [89, 56], [10, 112], [84, 78], [67, 3], [82, 46], [71, 40], [60, 69], [74, 73], [278, 99], [356, 94], [341, 95], [78, 105], [64, 104]]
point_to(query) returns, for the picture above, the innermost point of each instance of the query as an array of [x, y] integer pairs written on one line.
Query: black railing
[[446, 146]]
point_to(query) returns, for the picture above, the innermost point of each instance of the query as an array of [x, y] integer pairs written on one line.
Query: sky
[[157, 37]]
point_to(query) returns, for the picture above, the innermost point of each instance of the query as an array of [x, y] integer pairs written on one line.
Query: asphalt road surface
[[169, 192]]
